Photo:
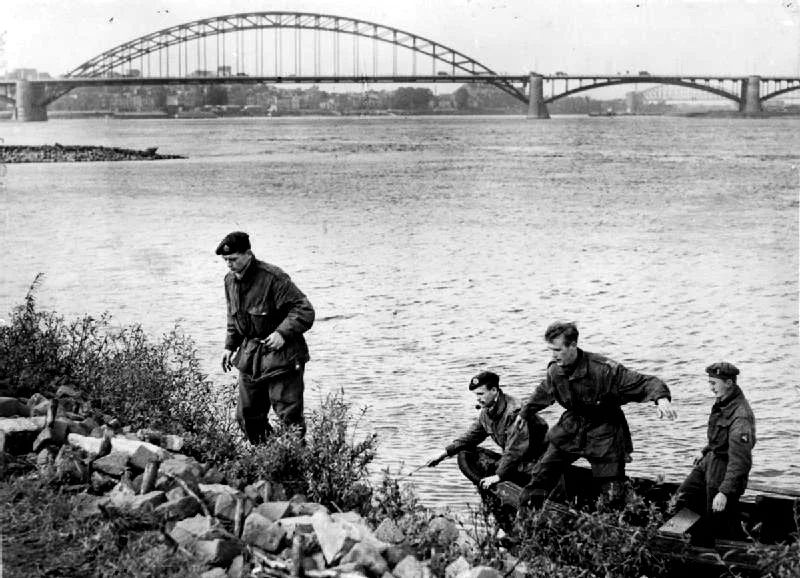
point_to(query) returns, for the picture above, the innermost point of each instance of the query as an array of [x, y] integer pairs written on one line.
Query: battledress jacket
[[265, 300], [731, 437], [497, 421], [593, 424]]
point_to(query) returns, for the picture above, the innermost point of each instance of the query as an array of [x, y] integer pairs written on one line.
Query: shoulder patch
[[745, 438]]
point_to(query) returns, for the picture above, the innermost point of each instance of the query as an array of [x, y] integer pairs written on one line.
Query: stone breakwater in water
[[232, 532], [59, 153]]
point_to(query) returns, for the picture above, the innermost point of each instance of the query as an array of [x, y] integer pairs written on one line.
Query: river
[[433, 248]]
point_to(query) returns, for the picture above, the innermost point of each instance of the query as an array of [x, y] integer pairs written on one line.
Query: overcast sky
[[715, 37]]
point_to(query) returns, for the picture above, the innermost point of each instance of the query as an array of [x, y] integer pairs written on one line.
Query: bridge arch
[[128, 52], [646, 80], [780, 91]]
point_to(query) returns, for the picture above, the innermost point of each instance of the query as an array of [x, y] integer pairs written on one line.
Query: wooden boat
[[769, 518]]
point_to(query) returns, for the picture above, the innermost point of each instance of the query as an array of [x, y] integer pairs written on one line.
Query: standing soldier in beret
[[267, 316], [592, 389], [521, 447], [719, 476]]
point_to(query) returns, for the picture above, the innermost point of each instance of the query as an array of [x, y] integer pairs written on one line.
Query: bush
[[327, 466], [120, 372], [600, 541]]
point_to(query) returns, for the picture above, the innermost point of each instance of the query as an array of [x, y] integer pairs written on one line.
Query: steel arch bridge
[[182, 35], [728, 87]]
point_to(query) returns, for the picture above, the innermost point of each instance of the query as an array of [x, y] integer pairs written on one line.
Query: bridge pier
[[536, 106], [28, 98], [751, 95]]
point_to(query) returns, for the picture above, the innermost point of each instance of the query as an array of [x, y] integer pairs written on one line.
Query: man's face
[[485, 396], [719, 387], [237, 262], [563, 354]]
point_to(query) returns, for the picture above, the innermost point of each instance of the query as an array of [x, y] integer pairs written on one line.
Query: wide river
[[433, 248]]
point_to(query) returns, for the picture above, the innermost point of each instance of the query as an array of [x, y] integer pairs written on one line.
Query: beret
[[722, 370], [236, 242], [487, 378]]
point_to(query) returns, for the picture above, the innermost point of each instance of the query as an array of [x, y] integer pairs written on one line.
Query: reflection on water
[[433, 248]]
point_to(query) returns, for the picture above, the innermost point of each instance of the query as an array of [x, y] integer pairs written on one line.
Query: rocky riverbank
[[142, 480], [58, 153]]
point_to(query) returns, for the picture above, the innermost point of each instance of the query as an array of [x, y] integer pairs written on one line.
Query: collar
[[578, 368], [499, 405], [733, 394], [247, 269]]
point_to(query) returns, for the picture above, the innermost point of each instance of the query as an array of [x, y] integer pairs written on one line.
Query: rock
[[273, 510], [188, 531], [334, 537], [395, 553], [179, 509], [297, 525], [410, 567], [236, 569], [20, 433], [389, 532], [173, 442], [175, 493], [481, 572], [118, 444], [262, 532], [143, 456], [38, 405], [218, 551], [305, 508], [368, 557], [181, 467], [457, 567], [101, 483], [12, 407], [214, 573], [114, 464], [225, 506]]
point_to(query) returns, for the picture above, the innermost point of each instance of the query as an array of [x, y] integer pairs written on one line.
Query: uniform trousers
[[283, 394], [697, 493]]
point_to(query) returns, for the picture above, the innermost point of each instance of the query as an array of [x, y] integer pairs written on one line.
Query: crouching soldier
[[520, 447]]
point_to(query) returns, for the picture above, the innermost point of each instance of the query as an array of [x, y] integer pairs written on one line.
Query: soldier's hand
[[436, 460], [227, 362], [488, 482], [665, 409], [275, 341], [719, 503]]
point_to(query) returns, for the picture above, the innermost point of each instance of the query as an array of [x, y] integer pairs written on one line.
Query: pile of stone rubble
[[252, 531], [58, 153]]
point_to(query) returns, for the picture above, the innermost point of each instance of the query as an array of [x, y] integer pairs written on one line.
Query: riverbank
[[57, 153]]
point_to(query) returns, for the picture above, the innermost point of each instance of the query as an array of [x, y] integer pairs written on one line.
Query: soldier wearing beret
[[592, 389], [267, 317], [719, 476], [521, 447]]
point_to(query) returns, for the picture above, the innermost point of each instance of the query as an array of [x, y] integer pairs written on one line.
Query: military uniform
[[593, 425], [726, 459], [520, 447], [263, 299]]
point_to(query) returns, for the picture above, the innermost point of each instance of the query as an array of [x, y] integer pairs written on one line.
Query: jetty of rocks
[[58, 153]]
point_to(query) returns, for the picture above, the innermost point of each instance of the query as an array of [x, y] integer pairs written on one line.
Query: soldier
[[267, 317], [520, 446], [592, 389], [719, 476]]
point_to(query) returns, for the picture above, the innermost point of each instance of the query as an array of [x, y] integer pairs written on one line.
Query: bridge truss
[[255, 45]]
